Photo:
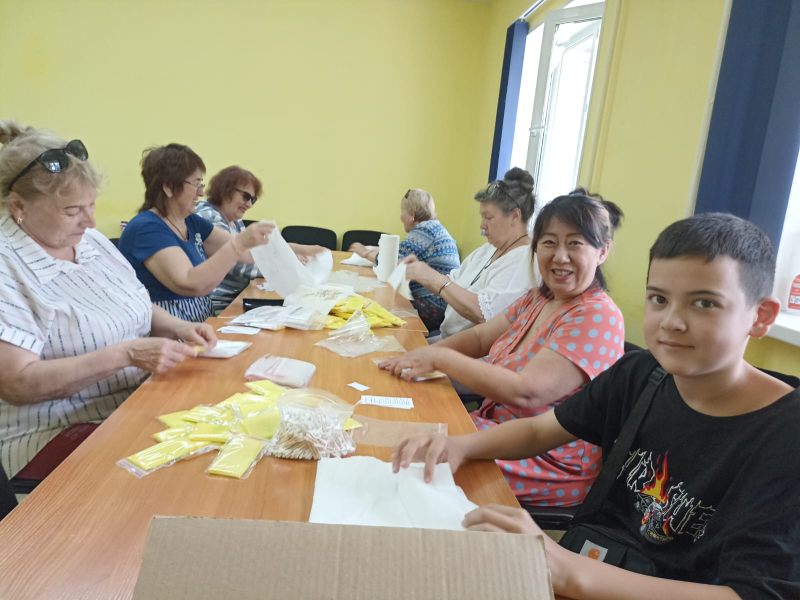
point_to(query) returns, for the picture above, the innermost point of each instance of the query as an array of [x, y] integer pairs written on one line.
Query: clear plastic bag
[[357, 282], [238, 456], [376, 432], [280, 370], [312, 426], [225, 349], [163, 455], [263, 317], [355, 338], [404, 313], [426, 377]]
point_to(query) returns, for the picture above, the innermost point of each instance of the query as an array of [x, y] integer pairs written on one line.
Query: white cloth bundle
[[388, 247]]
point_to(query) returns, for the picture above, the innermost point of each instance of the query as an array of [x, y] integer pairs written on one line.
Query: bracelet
[[444, 285]]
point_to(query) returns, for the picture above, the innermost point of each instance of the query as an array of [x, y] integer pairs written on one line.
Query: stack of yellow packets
[[376, 315]]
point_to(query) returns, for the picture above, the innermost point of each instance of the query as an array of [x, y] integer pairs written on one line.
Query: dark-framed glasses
[[248, 197], [55, 160], [495, 185]]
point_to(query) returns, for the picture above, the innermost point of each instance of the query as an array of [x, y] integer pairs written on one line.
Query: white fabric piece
[[388, 248], [239, 330], [357, 282], [499, 285], [284, 271], [362, 490], [357, 261], [319, 298], [265, 287], [225, 349], [399, 282]]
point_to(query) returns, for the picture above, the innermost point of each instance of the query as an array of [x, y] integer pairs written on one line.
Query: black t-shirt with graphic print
[[710, 499]]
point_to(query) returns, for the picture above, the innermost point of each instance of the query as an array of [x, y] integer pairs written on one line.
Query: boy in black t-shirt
[[710, 491]]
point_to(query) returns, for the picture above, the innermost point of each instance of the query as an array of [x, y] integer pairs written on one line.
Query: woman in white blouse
[[497, 273], [78, 332]]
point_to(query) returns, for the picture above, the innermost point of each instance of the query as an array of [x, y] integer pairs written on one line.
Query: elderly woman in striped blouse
[[78, 332]]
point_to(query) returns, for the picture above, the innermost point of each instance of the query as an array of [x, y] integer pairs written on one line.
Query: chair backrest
[[248, 222], [362, 236], [8, 500], [114, 241], [301, 234]]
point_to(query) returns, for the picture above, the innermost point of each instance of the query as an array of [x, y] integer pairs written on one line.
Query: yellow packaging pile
[[376, 315], [236, 457], [265, 388], [173, 419], [165, 452], [174, 433], [210, 432], [240, 398], [219, 415]]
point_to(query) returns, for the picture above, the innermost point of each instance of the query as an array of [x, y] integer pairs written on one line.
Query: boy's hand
[[433, 449], [499, 518]]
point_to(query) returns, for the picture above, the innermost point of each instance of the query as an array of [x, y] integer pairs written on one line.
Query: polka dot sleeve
[[520, 304], [589, 332]]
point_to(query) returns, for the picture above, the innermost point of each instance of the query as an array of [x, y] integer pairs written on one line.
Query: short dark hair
[[516, 191], [224, 183], [596, 219], [166, 165], [711, 235]]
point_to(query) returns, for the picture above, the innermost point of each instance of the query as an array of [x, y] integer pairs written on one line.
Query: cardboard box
[[228, 559]]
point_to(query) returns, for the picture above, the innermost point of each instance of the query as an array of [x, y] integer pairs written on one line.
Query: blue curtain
[[510, 83], [754, 134]]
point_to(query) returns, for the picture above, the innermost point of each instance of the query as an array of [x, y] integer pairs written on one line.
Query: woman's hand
[[411, 258], [254, 235], [361, 249], [413, 364], [157, 355], [433, 449], [423, 274], [196, 334], [305, 252]]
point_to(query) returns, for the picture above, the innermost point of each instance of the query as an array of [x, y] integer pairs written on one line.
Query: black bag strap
[[619, 453]]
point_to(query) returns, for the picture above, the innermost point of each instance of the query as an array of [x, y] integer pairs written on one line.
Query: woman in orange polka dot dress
[[543, 347]]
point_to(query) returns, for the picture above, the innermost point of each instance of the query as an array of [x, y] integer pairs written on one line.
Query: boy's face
[[696, 318]]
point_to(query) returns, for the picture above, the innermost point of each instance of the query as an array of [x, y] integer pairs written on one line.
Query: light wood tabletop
[[82, 532]]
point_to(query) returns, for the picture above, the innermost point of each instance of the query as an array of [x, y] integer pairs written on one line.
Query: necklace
[[183, 236], [486, 266]]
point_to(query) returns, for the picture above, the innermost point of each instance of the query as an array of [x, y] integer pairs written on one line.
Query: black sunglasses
[[495, 185], [55, 160], [248, 197]]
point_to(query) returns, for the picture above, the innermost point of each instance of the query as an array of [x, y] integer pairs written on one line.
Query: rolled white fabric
[[388, 247]]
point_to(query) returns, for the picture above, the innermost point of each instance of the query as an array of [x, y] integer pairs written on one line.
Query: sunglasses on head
[[55, 160], [248, 197], [495, 185]]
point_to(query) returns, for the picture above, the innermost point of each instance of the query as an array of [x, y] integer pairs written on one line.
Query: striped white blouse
[[59, 309]]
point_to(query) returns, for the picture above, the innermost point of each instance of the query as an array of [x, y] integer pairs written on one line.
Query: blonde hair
[[420, 204], [21, 145]]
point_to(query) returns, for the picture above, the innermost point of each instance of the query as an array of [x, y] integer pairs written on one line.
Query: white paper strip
[[387, 401]]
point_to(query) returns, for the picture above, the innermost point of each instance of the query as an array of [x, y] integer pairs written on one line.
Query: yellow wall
[[339, 107]]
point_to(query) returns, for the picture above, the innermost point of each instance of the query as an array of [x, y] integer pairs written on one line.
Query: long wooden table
[[82, 532]]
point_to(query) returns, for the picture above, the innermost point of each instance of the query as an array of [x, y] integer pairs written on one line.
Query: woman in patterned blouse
[[543, 347], [430, 243]]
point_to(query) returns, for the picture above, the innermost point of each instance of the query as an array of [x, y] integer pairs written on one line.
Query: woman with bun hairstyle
[[498, 272], [543, 347]]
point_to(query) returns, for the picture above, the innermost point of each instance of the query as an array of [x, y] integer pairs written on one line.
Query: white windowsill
[[786, 328]]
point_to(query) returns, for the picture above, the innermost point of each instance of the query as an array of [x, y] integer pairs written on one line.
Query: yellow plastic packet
[[350, 304], [242, 411], [373, 308], [265, 387], [377, 322], [263, 424], [352, 424], [219, 415], [237, 457], [162, 455], [174, 433], [332, 322], [210, 432], [239, 398], [173, 419]]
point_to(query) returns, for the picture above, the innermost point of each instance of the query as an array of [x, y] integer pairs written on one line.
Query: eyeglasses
[[200, 186], [495, 185], [248, 197], [55, 160]]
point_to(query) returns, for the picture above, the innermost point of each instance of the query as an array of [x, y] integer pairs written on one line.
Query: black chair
[[8, 501], [362, 236], [248, 222], [114, 241], [301, 234]]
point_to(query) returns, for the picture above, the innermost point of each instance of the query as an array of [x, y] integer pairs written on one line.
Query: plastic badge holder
[[242, 411], [238, 457], [355, 338], [262, 424], [163, 455], [174, 433], [208, 432], [280, 370], [376, 432], [426, 377], [312, 426], [226, 349], [218, 415]]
